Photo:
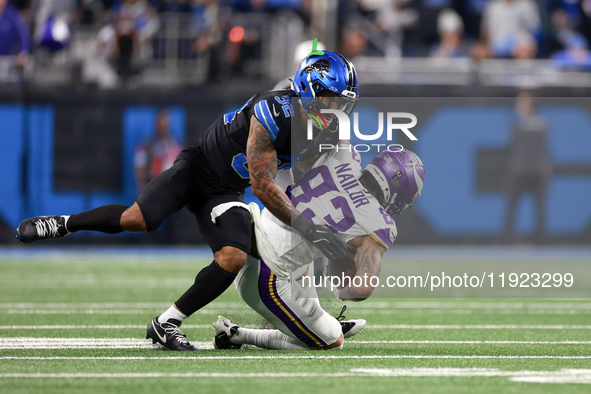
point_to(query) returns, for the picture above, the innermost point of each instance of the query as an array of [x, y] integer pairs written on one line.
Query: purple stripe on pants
[[265, 293]]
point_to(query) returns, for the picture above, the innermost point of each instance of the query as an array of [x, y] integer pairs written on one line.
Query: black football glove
[[321, 236]]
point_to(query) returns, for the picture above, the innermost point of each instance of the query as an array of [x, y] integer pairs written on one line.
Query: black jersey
[[221, 153]]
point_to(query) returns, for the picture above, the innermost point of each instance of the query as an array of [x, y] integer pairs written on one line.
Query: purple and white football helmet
[[395, 178]]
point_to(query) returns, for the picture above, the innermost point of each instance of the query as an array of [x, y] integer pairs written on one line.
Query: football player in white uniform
[[358, 205]]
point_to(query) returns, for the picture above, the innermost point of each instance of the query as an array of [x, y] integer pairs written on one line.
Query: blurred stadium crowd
[[114, 42]]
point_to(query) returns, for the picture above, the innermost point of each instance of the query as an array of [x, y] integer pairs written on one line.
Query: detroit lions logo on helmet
[[322, 67]]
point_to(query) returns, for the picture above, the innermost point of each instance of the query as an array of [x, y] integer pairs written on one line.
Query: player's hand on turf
[[321, 236]]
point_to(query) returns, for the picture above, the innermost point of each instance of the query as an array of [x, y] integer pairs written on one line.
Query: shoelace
[[341, 315], [47, 227], [175, 331]]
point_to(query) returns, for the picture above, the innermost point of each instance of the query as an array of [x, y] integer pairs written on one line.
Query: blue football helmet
[[326, 73]]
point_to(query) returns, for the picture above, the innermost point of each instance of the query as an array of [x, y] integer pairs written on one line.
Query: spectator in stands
[[265, 5], [151, 157], [450, 28], [570, 48], [562, 26], [393, 18], [14, 35], [126, 44], [98, 66], [125, 40], [471, 12], [157, 153], [508, 29], [125, 36], [211, 26], [525, 48], [584, 22], [572, 9], [529, 165], [52, 23], [172, 6], [429, 12], [146, 23], [575, 56], [89, 12], [354, 44]]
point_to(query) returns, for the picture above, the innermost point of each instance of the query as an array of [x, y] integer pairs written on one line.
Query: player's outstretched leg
[[110, 219], [42, 227], [169, 335], [231, 336]]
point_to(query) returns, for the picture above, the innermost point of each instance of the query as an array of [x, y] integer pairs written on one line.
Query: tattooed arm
[[368, 263], [262, 165]]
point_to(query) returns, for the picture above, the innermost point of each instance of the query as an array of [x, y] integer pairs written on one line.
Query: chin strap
[[293, 86], [309, 80]]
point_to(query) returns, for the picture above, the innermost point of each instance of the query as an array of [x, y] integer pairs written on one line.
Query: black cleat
[[224, 330], [42, 227], [169, 335]]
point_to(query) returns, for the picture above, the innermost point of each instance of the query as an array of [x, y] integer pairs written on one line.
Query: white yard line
[[214, 310], [552, 379], [124, 343], [99, 311], [580, 376], [480, 327], [371, 304], [483, 342], [84, 343], [583, 304], [371, 326], [461, 311], [94, 327], [103, 305], [308, 356], [375, 307]]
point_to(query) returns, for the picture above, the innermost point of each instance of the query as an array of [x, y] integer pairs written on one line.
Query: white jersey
[[330, 194]]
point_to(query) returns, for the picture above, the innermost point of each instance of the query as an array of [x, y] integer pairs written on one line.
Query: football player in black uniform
[[241, 149]]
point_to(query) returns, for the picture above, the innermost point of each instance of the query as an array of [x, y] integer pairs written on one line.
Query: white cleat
[[224, 329], [352, 327]]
